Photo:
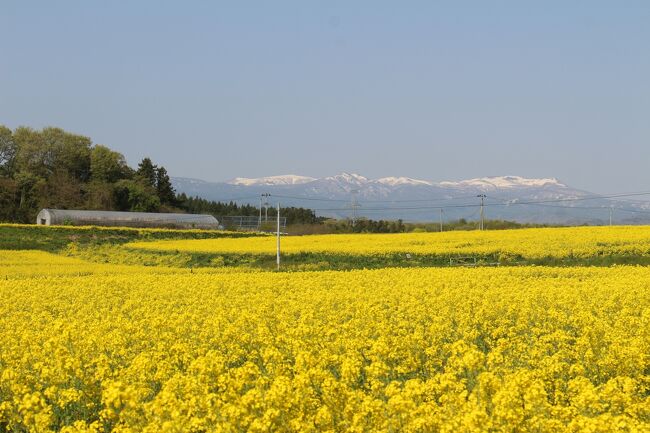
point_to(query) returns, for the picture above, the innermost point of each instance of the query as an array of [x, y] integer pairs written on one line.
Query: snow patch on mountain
[[504, 182], [288, 179], [397, 181], [353, 179], [348, 178]]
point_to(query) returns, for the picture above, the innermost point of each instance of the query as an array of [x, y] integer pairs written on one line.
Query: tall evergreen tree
[[166, 192], [147, 172]]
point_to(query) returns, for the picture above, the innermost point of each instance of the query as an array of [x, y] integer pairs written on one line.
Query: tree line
[[52, 168], [294, 215]]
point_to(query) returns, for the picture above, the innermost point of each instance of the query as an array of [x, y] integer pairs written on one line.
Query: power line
[[593, 197], [567, 207], [591, 208], [226, 200], [427, 200], [470, 215], [313, 198], [489, 202], [505, 203], [423, 200], [633, 210]]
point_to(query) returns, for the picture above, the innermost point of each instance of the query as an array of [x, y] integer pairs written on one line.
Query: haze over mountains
[[543, 200]]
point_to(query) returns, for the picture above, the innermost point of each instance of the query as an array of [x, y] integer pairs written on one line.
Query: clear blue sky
[[434, 90]]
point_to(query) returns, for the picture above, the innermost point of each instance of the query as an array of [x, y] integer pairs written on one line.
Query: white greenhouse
[[127, 219]]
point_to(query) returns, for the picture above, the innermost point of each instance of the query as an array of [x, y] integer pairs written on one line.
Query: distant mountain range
[[545, 200]]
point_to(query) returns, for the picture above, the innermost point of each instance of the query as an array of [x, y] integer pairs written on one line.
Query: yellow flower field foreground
[[403, 350], [101, 229], [40, 264], [530, 243]]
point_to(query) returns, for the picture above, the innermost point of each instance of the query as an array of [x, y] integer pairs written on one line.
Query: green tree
[[100, 196], [41, 153], [164, 187], [131, 195], [70, 152], [7, 151], [8, 196], [29, 188], [107, 165], [32, 154], [62, 191], [147, 172]]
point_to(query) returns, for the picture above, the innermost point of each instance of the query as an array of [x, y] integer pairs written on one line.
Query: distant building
[[127, 219]]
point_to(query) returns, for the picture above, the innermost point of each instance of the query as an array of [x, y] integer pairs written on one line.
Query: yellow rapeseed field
[[40, 264], [579, 242], [99, 230], [526, 349]]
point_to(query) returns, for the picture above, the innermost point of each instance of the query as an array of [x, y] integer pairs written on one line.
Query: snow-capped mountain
[[504, 182], [394, 181], [347, 179], [543, 200], [289, 179]]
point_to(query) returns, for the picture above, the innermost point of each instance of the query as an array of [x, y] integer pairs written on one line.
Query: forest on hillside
[[52, 168]]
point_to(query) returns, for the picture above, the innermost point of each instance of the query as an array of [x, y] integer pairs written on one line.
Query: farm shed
[[129, 219]]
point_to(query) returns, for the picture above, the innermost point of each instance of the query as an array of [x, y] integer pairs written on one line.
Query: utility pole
[[259, 222], [354, 205], [482, 197], [611, 212], [277, 258], [440, 220]]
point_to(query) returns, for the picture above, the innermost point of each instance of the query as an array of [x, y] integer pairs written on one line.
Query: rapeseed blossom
[[411, 350], [564, 242]]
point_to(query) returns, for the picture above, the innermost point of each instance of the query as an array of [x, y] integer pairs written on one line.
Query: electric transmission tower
[[481, 224], [266, 196], [354, 205]]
